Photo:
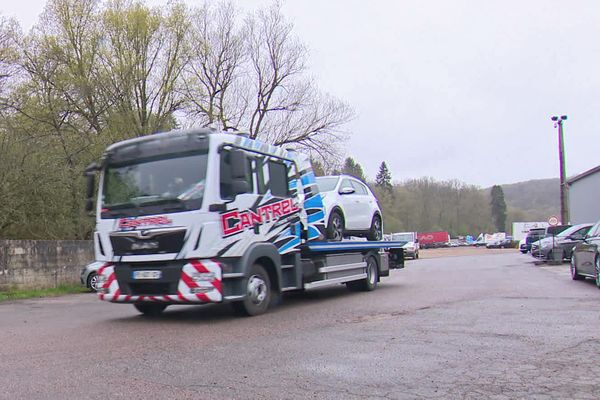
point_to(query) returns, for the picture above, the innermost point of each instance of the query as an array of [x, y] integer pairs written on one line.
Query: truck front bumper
[[189, 281]]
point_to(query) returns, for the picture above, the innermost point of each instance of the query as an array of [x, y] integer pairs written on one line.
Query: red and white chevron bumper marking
[[208, 290], [200, 282]]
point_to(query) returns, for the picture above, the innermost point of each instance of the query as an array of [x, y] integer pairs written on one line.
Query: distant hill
[[534, 200]]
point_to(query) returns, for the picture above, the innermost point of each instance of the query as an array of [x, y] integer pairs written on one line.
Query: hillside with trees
[[426, 204]]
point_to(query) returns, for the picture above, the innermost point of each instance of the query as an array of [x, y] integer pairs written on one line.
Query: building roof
[[583, 175]]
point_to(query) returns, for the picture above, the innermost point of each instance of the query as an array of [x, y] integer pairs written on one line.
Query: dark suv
[[532, 236]]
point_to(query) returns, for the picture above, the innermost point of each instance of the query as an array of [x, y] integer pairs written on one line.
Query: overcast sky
[[451, 89]]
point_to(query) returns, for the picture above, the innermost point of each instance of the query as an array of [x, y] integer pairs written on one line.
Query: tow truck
[[200, 216]]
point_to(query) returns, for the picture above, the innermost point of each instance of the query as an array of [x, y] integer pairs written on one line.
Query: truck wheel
[[92, 282], [258, 293], [370, 282], [150, 309], [574, 274], [335, 227], [375, 232]]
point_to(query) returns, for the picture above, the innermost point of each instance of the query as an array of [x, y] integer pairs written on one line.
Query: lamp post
[[558, 123]]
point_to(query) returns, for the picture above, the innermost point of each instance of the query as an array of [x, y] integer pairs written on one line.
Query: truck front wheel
[[150, 309], [258, 293]]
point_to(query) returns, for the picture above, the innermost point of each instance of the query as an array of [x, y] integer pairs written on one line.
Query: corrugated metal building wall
[[584, 197]]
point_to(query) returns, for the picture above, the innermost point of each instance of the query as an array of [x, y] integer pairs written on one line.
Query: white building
[[584, 197], [521, 229]]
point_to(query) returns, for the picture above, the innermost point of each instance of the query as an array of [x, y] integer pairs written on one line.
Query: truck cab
[[199, 216]]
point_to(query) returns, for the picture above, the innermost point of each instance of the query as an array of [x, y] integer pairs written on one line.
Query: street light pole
[[558, 123]]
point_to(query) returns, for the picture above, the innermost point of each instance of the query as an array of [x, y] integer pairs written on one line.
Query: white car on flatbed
[[350, 207]]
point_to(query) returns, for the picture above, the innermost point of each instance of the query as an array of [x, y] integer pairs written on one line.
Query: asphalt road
[[490, 326]]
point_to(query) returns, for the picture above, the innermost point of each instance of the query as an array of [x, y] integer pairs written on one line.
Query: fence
[[28, 264]]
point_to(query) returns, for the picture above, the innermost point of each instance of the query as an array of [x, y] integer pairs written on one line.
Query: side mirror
[[346, 190], [90, 174], [239, 164], [89, 205]]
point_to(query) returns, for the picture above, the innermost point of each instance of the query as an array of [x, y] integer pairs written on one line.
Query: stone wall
[[42, 263]]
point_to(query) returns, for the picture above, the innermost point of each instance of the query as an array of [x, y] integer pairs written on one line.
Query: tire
[[150, 309], [258, 293], [574, 274], [370, 282], [92, 282], [375, 232], [335, 227], [597, 272]]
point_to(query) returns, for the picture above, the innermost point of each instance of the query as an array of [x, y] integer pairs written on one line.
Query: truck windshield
[[160, 185]]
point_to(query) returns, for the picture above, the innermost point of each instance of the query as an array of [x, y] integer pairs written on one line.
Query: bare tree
[[143, 54], [253, 78], [288, 109], [216, 54]]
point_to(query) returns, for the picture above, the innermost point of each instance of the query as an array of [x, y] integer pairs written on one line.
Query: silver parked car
[[585, 261], [562, 244], [89, 275]]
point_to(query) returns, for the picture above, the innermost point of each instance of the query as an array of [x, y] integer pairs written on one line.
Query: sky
[[460, 89]]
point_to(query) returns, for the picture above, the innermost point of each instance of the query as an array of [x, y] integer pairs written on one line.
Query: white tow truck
[[200, 216]]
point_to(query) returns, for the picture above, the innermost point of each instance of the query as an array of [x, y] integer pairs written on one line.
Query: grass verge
[[61, 290]]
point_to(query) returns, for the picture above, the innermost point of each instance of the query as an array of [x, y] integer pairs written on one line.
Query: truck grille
[[158, 241]]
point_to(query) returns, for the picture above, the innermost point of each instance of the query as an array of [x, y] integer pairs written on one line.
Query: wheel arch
[[337, 208], [267, 255]]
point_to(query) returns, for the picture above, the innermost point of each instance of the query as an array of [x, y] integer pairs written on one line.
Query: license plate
[[146, 274]]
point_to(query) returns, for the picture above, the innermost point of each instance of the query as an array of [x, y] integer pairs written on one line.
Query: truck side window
[[260, 175], [225, 179], [278, 179]]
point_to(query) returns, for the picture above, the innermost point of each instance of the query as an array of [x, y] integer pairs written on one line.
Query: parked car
[[411, 248], [89, 275], [499, 243], [585, 259], [533, 236], [350, 208], [523, 245], [562, 243]]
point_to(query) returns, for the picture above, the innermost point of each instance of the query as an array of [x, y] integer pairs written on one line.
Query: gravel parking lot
[[489, 325]]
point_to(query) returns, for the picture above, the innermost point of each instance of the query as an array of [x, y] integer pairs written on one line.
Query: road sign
[[553, 220]]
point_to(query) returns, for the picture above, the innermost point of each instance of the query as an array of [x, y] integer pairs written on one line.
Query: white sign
[[553, 220]]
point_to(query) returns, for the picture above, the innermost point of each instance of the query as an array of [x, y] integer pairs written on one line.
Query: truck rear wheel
[[370, 282], [258, 293], [150, 309]]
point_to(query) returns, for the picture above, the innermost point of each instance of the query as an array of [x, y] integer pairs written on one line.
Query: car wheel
[[370, 282], [92, 282], [375, 232], [335, 227], [574, 274], [258, 293], [150, 309], [598, 272]]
